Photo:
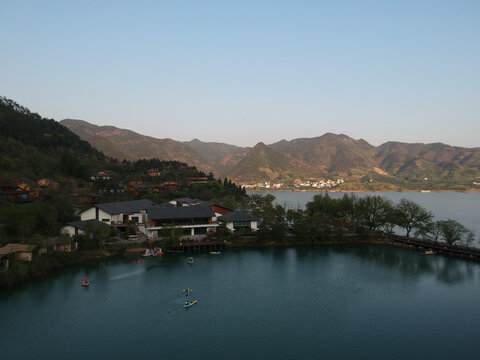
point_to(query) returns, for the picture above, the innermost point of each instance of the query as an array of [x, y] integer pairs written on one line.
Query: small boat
[[138, 261], [429, 252], [190, 260], [153, 252], [190, 303], [215, 252], [85, 282]]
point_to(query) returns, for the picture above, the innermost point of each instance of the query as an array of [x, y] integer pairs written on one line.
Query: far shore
[[366, 191]]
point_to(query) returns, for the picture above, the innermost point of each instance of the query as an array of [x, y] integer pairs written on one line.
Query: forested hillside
[[47, 173], [35, 147]]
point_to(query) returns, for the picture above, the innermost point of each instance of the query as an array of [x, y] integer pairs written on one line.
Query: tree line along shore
[[347, 220]]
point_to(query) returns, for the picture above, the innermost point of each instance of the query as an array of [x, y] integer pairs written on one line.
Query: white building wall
[[105, 217], [253, 225], [70, 230], [88, 214]]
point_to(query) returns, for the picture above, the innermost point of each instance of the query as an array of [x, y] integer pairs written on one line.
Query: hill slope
[[222, 157], [329, 155], [265, 163], [335, 154], [36, 147], [126, 144]]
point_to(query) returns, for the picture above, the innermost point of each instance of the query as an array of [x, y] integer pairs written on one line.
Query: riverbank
[[20, 271], [23, 271]]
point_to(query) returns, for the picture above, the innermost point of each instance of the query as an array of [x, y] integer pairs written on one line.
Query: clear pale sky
[[242, 72]]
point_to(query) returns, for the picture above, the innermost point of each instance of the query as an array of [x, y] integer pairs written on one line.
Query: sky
[[243, 72]]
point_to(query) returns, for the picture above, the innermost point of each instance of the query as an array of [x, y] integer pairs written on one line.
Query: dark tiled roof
[[201, 202], [238, 215], [167, 204], [179, 212], [140, 186], [193, 202], [126, 207], [187, 200], [81, 224], [12, 248]]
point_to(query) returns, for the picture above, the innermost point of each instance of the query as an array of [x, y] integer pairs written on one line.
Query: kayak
[[188, 304], [215, 252]]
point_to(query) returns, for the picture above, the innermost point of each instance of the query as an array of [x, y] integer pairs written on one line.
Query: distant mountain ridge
[[129, 145], [222, 157], [329, 155]]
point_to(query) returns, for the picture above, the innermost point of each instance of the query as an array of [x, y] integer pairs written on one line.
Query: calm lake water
[[463, 207], [325, 302]]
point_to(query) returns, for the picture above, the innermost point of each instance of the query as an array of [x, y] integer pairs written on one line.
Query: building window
[[106, 220], [200, 231], [135, 219], [241, 224]]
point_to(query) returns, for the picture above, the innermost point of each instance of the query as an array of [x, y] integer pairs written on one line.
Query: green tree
[[373, 211], [452, 231], [170, 236], [470, 238], [411, 215], [430, 231]]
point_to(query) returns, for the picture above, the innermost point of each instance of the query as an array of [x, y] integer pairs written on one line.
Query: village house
[[76, 228], [198, 180], [168, 186], [114, 189], [60, 244], [154, 173], [45, 183], [16, 252], [25, 184], [13, 193], [219, 210], [118, 213], [195, 221], [4, 262], [137, 187], [195, 217], [239, 219], [103, 175]]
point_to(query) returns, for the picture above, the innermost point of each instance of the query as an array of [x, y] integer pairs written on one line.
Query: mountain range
[[326, 156]]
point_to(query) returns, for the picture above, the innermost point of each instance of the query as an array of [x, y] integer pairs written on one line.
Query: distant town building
[[103, 175]]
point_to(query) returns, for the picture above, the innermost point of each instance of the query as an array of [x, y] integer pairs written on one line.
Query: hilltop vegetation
[[36, 147], [32, 147]]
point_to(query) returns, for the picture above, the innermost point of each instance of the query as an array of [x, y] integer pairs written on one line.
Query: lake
[[325, 302], [463, 207]]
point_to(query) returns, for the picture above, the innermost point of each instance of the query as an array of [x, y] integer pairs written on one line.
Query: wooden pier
[[439, 247], [201, 246]]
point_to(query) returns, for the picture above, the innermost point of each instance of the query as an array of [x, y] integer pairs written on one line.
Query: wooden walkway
[[458, 250], [203, 246]]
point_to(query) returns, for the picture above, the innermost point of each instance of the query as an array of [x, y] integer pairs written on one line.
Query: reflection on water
[[412, 263], [269, 303]]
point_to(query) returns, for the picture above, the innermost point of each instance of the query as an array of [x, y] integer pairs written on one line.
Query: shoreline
[[86, 256], [366, 191]]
